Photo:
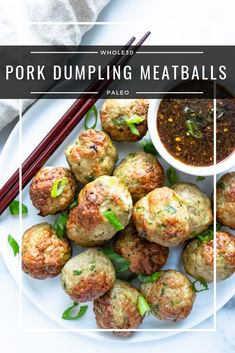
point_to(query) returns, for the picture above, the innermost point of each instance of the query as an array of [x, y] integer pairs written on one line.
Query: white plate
[[47, 295]]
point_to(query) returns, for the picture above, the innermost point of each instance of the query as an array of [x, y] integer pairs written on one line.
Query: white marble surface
[[176, 22]]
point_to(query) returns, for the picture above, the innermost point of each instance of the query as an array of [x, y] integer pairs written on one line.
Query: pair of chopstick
[[59, 132]]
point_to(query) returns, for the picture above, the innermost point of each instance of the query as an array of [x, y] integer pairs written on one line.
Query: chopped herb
[[89, 117], [74, 203], [170, 209], [202, 283], [152, 278], [58, 187], [113, 220], [221, 185], [193, 128], [89, 178], [149, 147], [200, 178], [132, 121], [60, 224], [14, 245], [68, 314], [143, 306], [14, 208], [123, 264], [92, 267], [77, 273], [171, 175]]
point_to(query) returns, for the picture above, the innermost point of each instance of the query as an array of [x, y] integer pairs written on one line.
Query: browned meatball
[[198, 257], [145, 257], [43, 253], [118, 309], [41, 190], [225, 201], [88, 275], [92, 155], [141, 173], [171, 296], [115, 113]]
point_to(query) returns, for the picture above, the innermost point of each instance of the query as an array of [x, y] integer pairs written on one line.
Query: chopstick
[[55, 130], [56, 140]]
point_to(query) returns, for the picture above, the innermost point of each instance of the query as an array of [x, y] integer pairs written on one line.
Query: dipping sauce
[[185, 127]]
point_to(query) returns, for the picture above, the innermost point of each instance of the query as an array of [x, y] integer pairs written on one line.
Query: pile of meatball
[[154, 218]]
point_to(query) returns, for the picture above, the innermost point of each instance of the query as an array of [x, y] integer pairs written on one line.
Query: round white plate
[[47, 295]]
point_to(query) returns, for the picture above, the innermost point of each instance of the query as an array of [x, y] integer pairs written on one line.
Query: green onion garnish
[[68, 314], [122, 263], [170, 209], [193, 129], [60, 224], [200, 178], [132, 121], [77, 273], [113, 220], [14, 208], [152, 278], [74, 203], [202, 283], [58, 187], [171, 175], [149, 147], [208, 234], [89, 116], [14, 245], [143, 306]]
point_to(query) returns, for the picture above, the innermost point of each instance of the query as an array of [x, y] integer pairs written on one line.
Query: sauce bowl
[[221, 167]]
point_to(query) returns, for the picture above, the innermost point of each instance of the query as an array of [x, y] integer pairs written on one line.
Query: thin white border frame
[[213, 329]]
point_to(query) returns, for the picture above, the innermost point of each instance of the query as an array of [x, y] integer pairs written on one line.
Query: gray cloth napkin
[[16, 28]]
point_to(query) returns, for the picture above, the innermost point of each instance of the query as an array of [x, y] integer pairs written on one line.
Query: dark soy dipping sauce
[[185, 127]]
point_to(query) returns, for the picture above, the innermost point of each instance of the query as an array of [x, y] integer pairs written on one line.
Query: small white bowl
[[221, 167]]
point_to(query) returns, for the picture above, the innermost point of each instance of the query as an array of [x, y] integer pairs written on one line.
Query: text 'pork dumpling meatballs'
[[198, 258], [88, 275], [125, 119], [141, 173], [145, 257], [92, 155], [171, 297], [43, 253], [100, 202], [118, 309], [199, 207], [225, 201], [162, 217], [52, 190]]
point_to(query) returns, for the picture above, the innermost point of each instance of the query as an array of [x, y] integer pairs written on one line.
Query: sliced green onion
[[171, 175], [149, 147], [14, 208], [143, 306], [152, 278], [170, 209], [77, 273], [200, 178], [193, 129], [58, 187], [113, 220], [202, 283], [208, 234], [60, 224], [14, 245], [89, 116], [74, 203], [68, 314], [122, 263], [132, 121]]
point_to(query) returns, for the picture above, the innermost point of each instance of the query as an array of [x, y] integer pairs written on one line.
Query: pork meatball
[[198, 258], [145, 257], [88, 223], [118, 309], [92, 155], [88, 275], [141, 172], [225, 201], [43, 253], [125, 119], [171, 297], [162, 217], [198, 205], [52, 190]]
